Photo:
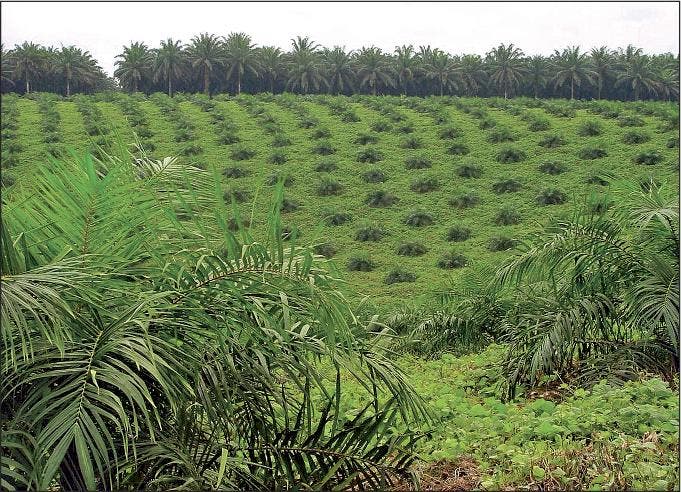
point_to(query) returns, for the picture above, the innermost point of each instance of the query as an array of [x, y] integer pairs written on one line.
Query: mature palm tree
[[506, 67], [271, 64], [305, 66], [5, 68], [406, 64], [667, 84], [423, 56], [472, 73], [637, 73], [537, 73], [71, 62], [603, 63], [134, 64], [573, 66], [305, 72], [205, 53], [443, 69], [373, 69], [338, 69], [48, 80], [169, 62], [241, 57], [27, 61]]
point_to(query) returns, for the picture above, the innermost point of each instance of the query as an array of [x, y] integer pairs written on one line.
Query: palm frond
[[173, 352], [101, 387], [609, 291]]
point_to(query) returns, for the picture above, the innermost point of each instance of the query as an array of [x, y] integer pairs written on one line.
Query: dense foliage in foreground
[[146, 345]]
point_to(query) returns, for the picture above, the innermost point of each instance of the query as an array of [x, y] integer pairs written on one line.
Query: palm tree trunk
[[600, 88], [68, 86], [170, 86], [572, 89], [206, 82], [28, 86], [272, 85], [441, 88], [238, 83], [134, 85]]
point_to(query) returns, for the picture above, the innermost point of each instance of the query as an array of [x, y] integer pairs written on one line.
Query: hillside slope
[[436, 188]]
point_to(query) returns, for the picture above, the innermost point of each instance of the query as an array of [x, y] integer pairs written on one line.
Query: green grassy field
[[429, 154]]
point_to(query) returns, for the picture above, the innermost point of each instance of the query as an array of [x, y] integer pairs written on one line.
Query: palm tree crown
[[169, 62], [443, 69], [406, 63], [506, 66], [305, 68], [240, 57], [72, 62], [339, 69], [637, 74], [472, 73], [537, 73], [603, 62], [134, 64], [205, 53], [27, 60], [271, 63], [572, 66], [373, 69]]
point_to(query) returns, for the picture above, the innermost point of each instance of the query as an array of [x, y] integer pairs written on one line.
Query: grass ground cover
[[554, 437], [462, 162]]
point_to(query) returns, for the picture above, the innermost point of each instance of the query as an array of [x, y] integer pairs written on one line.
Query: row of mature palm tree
[[236, 63], [210, 63], [30, 67]]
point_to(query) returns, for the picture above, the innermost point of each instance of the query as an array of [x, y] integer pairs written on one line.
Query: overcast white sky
[[103, 28]]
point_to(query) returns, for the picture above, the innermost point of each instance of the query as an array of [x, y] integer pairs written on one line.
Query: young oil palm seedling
[[598, 294]]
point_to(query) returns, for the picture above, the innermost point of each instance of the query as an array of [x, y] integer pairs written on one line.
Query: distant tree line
[[30, 67], [234, 64]]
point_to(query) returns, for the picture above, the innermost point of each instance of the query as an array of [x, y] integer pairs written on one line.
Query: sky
[[537, 28]]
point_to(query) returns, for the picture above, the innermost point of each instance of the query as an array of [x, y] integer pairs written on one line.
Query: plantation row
[[404, 193]]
